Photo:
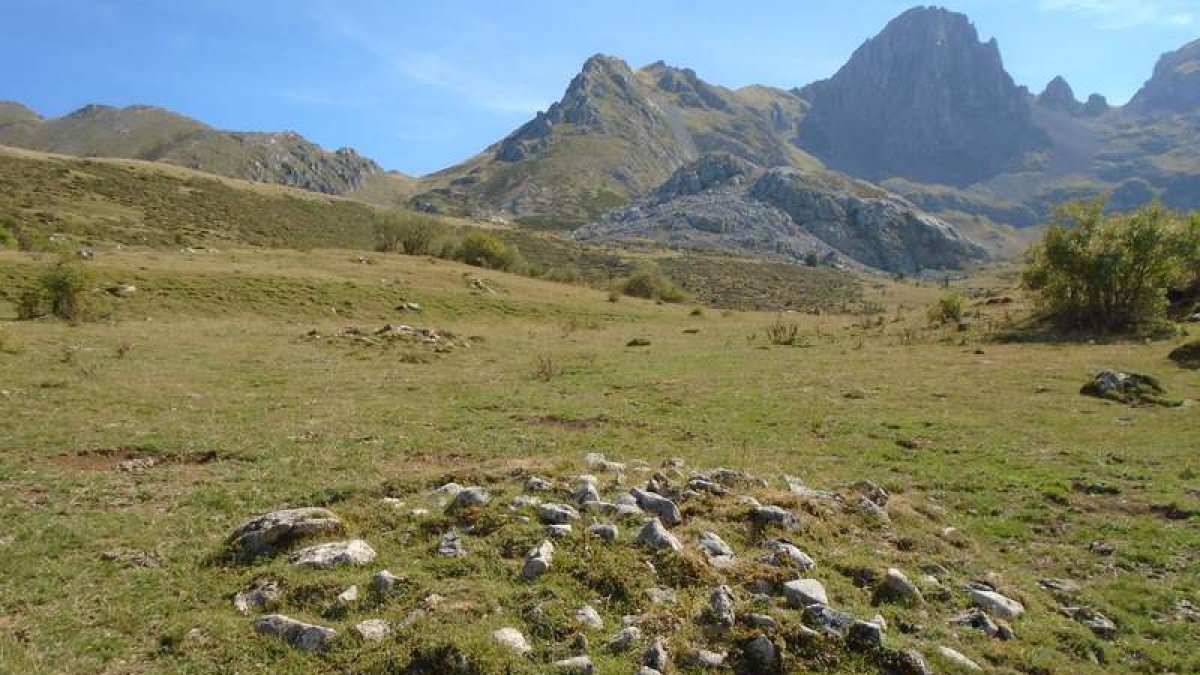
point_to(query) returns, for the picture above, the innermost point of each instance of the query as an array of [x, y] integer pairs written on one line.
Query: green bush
[[1112, 272], [8, 236], [64, 291], [649, 282], [949, 309], [483, 250], [409, 233]]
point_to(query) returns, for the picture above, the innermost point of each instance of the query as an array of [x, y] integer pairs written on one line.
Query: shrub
[[782, 333], [64, 290], [410, 233], [8, 236], [649, 282], [483, 250], [949, 309], [546, 367], [1111, 272]]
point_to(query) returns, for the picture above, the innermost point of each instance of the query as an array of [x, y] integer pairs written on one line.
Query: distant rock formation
[[724, 203], [924, 100], [1175, 85]]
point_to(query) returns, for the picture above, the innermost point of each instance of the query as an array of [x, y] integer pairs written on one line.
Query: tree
[[1111, 272]]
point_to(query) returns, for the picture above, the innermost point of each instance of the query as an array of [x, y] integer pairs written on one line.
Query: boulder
[[775, 515], [720, 604], [537, 560], [761, 655], [864, 636], [258, 597], [577, 665], [513, 639], [997, 605], [1188, 355], [785, 554], [372, 630], [269, 533], [603, 532], [895, 587], [451, 545], [804, 592], [588, 617], [958, 659], [1101, 625], [556, 514], [660, 506], [471, 496], [384, 581], [657, 657], [303, 636], [335, 554], [625, 639], [655, 536], [1128, 388]]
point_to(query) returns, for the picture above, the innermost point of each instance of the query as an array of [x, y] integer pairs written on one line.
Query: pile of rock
[[439, 341]]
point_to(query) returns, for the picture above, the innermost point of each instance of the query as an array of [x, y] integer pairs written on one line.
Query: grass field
[[131, 447]]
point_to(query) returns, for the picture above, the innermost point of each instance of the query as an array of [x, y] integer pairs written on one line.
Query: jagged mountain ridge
[[616, 134], [723, 202], [154, 134]]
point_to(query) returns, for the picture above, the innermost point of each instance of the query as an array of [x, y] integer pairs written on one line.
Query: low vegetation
[[649, 282], [1113, 272], [65, 290]]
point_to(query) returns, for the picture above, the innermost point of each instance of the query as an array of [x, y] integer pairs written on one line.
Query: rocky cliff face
[[1059, 96], [1175, 85], [924, 100], [724, 203], [154, 134]]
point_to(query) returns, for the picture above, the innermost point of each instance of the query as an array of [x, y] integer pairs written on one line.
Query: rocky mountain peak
[[1175, 85], [925, 99], [689, 90], [1058, 95]]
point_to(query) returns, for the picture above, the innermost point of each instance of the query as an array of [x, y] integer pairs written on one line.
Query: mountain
[[724, 203], [154, 134], [616, 134], [924, 100], [1175, 85]]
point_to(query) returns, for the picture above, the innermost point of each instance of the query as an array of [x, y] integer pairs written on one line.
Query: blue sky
[[421, 85]]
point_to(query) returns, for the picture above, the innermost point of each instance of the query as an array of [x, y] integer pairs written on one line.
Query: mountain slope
[[154, 134], [616, 134], [1175, 85], [924, 100], [724, 203]]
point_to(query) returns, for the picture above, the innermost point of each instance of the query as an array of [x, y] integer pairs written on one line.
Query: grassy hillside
[[130, 448], [107, 203]]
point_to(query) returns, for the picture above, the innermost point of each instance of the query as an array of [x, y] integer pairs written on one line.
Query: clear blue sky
[[421, 85]]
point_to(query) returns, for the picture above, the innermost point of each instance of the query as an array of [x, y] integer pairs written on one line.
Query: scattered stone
[[347, 596], [469, 497], [588, 616], [657, 657], [895, 587], [603, 532], [864, 636], [775, 515], [513, 639], [625, 639], [976, 619], [719, 553], [876, 512], [302, 636], [763, 621], [761, 655], [871, 491], [1101, 625], [451, 545], [121, 290], [706, 659], [536, 484], [785, 554], [524, 501], [828, 619], [585, 492], [997, 605], [1128, 388], [804, 592], [958, 659], [660, 506], [447, 492], [798, 488], [268, 533], [907, 662], [393, 502], [384, 581], [579, 665], [335, 554], [537, 561], [720, 603], [702, 485], [258, 597], [559, 531], [638, 342], [1060, 586], [656, 536], [556, 514], [419, 513], [373, 630]]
